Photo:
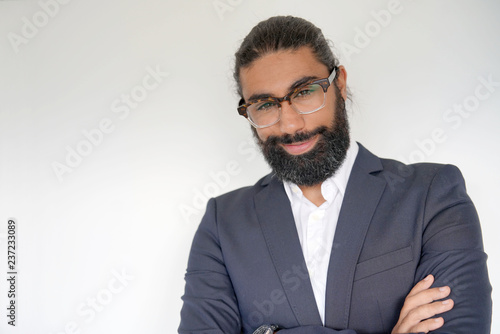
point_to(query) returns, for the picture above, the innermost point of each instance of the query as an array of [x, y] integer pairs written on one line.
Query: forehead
[[274, 73]]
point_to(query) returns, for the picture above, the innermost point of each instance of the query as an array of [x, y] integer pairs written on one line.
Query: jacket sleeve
[[210, 304], [452, 250]]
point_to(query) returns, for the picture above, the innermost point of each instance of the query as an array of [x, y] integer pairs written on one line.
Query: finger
[[428, 325], [416, 317], [422, 285], [420, 313], [410, 303], [424, 297], [423, 327]]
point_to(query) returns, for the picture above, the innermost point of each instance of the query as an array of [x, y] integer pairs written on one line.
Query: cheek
[[328, 113], [323, 117], [262, 133]]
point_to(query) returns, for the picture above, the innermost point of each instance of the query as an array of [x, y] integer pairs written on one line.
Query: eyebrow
[[293, 86]]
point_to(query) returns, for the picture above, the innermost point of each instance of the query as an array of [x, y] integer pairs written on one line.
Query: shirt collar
[[337, 181]]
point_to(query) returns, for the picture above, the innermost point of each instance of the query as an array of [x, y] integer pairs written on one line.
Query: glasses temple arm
[[332, 75]]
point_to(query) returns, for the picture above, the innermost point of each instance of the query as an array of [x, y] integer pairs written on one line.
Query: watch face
[[264, 329]]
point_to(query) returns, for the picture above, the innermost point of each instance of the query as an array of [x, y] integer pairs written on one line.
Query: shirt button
[[318, 215]]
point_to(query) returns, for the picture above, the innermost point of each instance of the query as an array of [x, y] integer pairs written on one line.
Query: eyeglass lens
[[307, 99]]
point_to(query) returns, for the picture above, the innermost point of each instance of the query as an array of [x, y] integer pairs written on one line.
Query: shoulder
[[243, 197], [234, 214], [399, 175], [423, 171]]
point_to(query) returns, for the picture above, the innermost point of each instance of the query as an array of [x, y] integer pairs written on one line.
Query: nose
[[291, 121]]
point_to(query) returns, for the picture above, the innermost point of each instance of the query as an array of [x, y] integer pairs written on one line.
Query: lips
[[300, 147]]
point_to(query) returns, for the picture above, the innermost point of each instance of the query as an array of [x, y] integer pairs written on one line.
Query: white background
[[132, 203]]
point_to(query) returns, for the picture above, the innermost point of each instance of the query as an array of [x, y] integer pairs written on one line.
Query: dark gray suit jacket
[[398, 223]]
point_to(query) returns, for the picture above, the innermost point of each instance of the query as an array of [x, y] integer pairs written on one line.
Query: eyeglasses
[[305, 99]]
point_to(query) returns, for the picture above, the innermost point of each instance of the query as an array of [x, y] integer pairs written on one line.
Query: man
[[335, 240]]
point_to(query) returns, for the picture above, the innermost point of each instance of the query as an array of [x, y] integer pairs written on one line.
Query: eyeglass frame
[[324, 83]]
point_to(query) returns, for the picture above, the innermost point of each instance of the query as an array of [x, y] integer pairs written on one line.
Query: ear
[[342, 81]]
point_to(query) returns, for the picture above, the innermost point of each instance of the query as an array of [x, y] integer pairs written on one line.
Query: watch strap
[[266, 329]]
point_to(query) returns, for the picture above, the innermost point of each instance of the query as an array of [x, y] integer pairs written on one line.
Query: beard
[[316, 165]]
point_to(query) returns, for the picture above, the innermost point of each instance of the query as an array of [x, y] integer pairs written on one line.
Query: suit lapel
[[278, 226], [362, 195]]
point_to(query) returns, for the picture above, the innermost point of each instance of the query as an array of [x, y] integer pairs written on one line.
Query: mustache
[[296, 138]]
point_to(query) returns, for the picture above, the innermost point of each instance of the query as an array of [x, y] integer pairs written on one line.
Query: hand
[[420, 305]]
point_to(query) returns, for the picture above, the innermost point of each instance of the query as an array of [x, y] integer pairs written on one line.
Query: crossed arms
[[220, 279]]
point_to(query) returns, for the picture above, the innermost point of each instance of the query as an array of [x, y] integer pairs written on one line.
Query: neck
[[313, 193]]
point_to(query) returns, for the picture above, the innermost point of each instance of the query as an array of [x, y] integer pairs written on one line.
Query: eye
[[266, 106], [306, 91]]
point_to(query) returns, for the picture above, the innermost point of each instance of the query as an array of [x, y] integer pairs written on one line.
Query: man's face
[[303, 149]]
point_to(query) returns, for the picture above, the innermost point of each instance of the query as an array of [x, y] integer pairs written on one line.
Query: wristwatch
[[266, 329]]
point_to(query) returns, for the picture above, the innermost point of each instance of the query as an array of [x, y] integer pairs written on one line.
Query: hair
[[280, 33]]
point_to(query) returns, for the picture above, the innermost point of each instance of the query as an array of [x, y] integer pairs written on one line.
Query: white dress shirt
[[316, 225]]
